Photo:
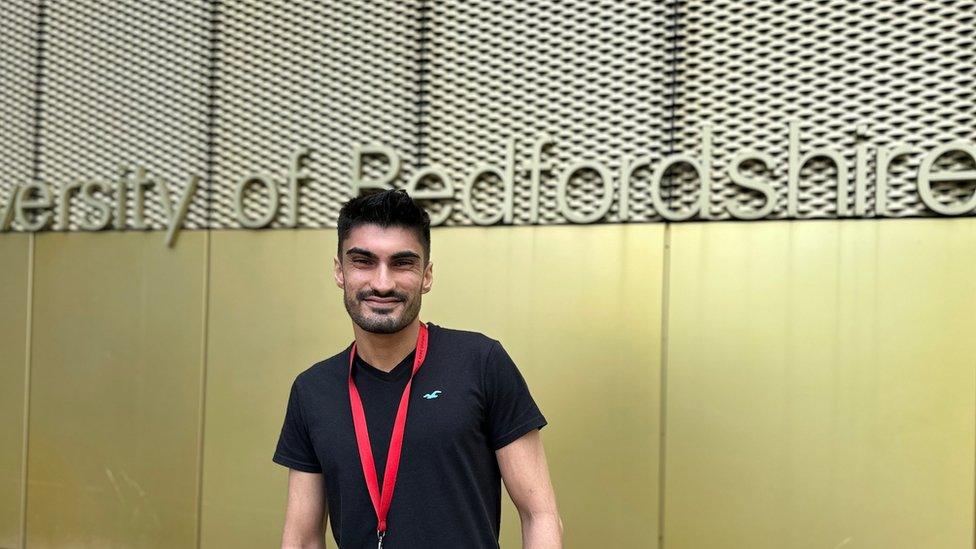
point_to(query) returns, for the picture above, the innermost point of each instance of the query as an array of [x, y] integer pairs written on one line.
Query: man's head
[[383, 263]]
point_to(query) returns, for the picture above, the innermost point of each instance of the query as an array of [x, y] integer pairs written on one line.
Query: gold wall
[[760, 385], [14, 317]]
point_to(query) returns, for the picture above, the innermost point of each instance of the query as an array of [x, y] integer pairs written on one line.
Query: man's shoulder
[[335, 365], [462, 339]]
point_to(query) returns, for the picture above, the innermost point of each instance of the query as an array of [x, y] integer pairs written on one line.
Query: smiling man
[[402, 439]]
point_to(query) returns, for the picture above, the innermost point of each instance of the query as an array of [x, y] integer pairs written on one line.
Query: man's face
[[382, 275]]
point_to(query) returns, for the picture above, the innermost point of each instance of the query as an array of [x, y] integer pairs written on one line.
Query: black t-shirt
[[467, 400]]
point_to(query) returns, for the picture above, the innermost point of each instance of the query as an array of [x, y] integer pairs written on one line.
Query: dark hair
[[388, 208]]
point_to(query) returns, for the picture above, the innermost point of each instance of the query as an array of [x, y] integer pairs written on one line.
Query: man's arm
[[526, 475], [307, 512]]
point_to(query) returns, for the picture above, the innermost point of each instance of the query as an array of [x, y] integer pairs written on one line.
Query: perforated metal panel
[[231, 90], [323, 76], [125, 84], [594, 76], [18, 66], [904, 71]]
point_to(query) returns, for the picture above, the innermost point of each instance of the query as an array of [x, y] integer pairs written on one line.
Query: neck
[[385, 351]]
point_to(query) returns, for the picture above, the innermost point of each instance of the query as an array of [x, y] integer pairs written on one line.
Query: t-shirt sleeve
[[295, 449], [512, 412]]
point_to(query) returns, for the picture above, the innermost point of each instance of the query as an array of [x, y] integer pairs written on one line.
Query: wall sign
[[37, 207]]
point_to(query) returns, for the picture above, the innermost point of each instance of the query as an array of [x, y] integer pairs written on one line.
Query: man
[[402, 438]]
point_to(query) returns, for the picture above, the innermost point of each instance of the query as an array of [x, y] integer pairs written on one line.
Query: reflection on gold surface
[[274, 311], [821, 386], [14, 265], [115, 390]]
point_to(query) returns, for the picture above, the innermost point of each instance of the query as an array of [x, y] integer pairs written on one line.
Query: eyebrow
[[406, 254], [360, 251], [398, 255]]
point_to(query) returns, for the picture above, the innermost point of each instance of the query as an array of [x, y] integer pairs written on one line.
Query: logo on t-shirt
[[432, 395]]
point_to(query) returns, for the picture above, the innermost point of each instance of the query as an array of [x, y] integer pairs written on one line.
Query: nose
[[383, 282]]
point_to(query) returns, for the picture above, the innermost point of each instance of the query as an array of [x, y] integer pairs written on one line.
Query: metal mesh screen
[[903, 71], [594, 76], [18, 67], [231, 90], [125, 84], [323, 76]]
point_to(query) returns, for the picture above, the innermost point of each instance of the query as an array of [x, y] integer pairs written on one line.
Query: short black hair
[[386, 208]]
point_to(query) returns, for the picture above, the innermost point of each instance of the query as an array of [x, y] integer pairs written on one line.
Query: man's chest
[[446, 420]]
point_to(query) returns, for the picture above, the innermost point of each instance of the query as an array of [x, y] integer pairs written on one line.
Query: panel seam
[[662, 416], [422, 54], [39, 92], [35, 176], [674, 38], [28, 340], [211, 123], [203, 384], [210, 175]]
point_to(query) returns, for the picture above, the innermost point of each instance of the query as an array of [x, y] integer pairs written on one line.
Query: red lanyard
[[381, 503]]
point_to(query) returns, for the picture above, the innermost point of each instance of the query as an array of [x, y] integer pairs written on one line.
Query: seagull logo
[[432, 395]]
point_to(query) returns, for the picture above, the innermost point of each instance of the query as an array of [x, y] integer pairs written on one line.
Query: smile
[[380, 302]]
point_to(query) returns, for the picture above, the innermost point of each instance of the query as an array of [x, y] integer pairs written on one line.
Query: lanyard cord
[[381, 500]]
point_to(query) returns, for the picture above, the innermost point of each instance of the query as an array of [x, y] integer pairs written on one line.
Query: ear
[[428, 278], [337, 272]]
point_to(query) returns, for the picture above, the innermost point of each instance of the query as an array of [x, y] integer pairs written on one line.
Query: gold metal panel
[[274, 311], [820, 385], [115, 390], [579, 310], [14, 259]]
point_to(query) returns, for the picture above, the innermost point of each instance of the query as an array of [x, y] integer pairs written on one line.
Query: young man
[[402, 438]]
